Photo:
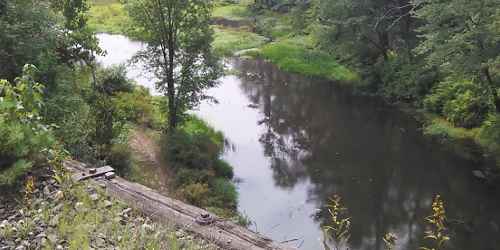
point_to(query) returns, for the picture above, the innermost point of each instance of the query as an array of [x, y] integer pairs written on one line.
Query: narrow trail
[[147, 156]]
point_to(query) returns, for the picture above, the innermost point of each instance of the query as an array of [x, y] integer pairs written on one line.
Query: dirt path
[[147, 156]]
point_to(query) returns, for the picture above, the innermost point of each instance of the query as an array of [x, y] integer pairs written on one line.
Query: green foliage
[[195, 193], [403, 80], [460, 37], [223, 194], [490, 132], [294, 57], [119, 156], [464, 103], [24, 137], [13, 172], [223, 169]]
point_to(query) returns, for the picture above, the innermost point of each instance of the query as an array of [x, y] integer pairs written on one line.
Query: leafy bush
[[463, 103], [490, 132], [223, 194], [185, 176], [223, 169], [403, 80], [119, 156], [23, 135], [196, 193]]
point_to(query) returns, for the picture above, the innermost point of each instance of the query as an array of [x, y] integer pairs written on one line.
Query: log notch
[[225, 234]]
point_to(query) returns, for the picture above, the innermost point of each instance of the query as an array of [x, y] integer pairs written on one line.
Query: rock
[[21, 247], [148, 228], [94, 197], [58, 208], [126, 211], [52, 238], [179, 234], [100, 243], [41, 235], [108, 204], [46, 191], [479, 174], [59, 195], [54, 221], [59, 247], [4, 224], [12, 217], [79, 207]]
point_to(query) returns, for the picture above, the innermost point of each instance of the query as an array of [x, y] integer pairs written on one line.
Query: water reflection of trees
[[370, 155]]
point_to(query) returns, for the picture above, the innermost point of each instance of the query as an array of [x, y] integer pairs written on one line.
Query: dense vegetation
[[57, 100]]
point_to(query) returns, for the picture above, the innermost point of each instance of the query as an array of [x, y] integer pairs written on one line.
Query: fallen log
[[225, 234]]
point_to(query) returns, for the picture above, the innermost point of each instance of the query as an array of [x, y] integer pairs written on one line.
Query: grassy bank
[[108, 16], [459, 139], [228, 41], [292, 56]]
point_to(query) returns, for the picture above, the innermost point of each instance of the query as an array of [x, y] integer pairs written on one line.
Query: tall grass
[[297, 58]]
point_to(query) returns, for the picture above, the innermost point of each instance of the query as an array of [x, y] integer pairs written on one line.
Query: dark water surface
[[299, 141]]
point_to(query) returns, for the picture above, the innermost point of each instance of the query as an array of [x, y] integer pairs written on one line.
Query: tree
[[371, 29], [179, 50], [461, 38]]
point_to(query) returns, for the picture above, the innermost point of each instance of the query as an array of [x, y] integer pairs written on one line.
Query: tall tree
[[179, 50], [461, 37]]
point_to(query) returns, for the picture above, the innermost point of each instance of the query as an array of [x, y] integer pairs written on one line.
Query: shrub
[[463, 103], [223, 194], [223, 169], [196, 193], [119, 156], [186, 176], [490, 132], [23, 135]]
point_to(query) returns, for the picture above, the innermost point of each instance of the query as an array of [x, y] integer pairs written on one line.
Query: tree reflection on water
[[372, 155]]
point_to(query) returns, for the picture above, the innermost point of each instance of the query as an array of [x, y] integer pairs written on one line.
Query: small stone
[[79, 207], [21, 247], [58, 208], [110, 175], [148, 228], [479, 174], [46, 191], [102, 185], [126, 211], [41, 235], [52, 238], [179, 234], [54, 221], [94, 197], [108, 204], [59, 247], [59, 195], [4, 224]]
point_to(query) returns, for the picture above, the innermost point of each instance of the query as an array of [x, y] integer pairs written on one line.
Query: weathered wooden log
[[223, 233]]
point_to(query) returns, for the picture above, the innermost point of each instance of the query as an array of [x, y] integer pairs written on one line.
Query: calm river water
[[299, 141]]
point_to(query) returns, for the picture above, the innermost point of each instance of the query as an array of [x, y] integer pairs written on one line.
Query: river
[[298, 141]]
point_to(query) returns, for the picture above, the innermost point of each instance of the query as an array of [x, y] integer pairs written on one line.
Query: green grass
[[228, 41], [108, 16], [294, 56]]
